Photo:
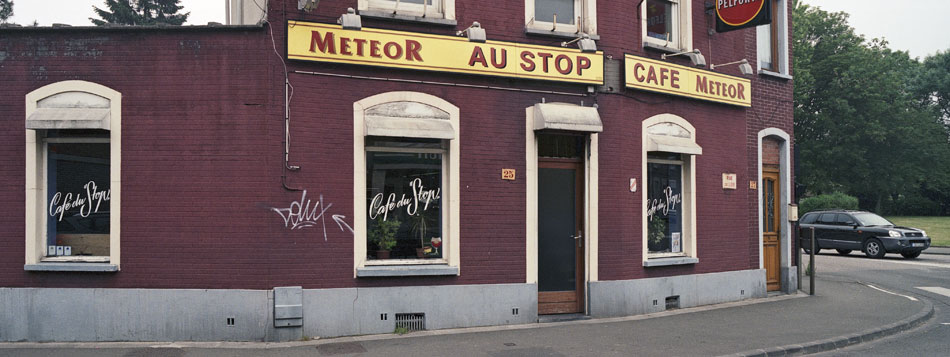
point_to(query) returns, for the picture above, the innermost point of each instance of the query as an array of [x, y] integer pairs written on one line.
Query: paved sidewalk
[[937, 250], [840, 314]]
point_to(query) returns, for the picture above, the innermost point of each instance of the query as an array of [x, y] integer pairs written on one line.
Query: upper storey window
[[437, 9], [561, 17], [666, 24]]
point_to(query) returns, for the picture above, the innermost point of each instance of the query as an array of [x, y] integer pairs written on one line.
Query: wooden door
[[560, 238], [771, 227]]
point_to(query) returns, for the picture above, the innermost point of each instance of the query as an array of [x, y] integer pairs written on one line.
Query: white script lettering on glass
[[88, 203], [663, 204], [419, 195], [302, 214]]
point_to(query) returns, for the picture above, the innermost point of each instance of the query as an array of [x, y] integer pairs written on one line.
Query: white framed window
[[406, 185], [667, 24], [772, 41], [440, 9], [562, 16], [669, 191], [73, 162]]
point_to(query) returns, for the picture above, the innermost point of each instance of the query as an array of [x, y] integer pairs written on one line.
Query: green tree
[[859, 128], [140, 12], [6, 10], [933, 84]]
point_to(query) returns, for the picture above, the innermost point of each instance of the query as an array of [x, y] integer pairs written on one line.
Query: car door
[[825, 230], [848, 235]]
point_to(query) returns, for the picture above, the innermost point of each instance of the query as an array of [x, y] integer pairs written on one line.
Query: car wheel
[[911, 255], [808, 250], [844, 251], [873, 248]]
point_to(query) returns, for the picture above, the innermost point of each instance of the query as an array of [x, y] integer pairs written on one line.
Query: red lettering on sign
[[396, 50], [741, 91], [701, 84], [527, 62], [504, 58], [582, 63], [412, 50], [345, 46], [563, 69], [636, 72], [651, 76], [325, 44], [359, 46], [477, 57], [374, 49], [545, 57], [674, 78]]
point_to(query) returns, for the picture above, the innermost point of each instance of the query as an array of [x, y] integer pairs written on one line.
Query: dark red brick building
[[294, 177]]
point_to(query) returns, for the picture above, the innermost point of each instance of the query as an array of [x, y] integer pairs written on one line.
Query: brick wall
[[202, 161]]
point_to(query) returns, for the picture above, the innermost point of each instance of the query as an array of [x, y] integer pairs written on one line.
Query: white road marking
[[892, 293], [935, 290], [906, 262]]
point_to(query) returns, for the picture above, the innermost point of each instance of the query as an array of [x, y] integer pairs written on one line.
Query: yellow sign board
[[311, 41], [664, 77]]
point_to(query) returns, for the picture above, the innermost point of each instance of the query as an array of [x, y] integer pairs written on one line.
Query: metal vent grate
[[411, 322], [673, 302]]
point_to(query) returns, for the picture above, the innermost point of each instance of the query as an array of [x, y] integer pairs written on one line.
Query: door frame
[[773, 171], [789, 282], [579, 285], [590, 207]]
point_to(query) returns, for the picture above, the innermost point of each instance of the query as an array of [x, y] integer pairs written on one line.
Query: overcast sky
[[920, 27]]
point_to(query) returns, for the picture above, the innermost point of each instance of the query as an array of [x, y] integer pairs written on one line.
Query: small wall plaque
[[633, 185], [508, 174], [728, 181], [753, 185]]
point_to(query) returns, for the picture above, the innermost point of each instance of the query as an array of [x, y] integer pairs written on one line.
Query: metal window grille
[[411, 321]]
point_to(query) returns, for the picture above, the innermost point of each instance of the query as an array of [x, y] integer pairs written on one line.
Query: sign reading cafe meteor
[[310, 41], [664, 77]]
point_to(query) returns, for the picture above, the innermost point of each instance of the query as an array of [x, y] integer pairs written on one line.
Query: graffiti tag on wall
[[305, 213]]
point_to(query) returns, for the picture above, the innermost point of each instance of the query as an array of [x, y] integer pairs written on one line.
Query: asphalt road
[[927, 277]]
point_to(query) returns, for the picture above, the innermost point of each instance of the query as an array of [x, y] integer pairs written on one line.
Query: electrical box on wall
[[288, 306]]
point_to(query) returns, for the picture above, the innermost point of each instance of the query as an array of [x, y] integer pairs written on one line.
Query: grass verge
[[938, 228]]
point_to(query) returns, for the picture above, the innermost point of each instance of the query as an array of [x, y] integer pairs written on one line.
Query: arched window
[[669, 211], [406, 181], [73, 132]]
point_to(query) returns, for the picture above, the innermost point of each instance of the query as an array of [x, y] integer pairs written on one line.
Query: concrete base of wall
[[47, 314], [52, 314], [643, 296]]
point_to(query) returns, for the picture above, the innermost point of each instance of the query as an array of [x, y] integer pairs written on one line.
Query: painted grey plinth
[[55, 314], [48, 314], [643, 296], [357, 311]]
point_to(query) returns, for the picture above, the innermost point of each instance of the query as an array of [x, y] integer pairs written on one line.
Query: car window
[[871, 219], [827, 218], [844, 220], [809, 218]]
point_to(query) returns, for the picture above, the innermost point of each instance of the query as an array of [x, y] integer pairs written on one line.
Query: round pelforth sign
[[738, 12]]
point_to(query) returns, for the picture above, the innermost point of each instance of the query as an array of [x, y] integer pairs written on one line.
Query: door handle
[[578, 238]]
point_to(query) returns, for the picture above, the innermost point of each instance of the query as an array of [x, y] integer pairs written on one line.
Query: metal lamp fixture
[[584, 43], [307, 5], [744, 67], [350, 20], [475, 33], [694, 56]]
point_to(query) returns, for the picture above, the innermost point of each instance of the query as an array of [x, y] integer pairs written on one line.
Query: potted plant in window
[[420, 225], [384, 235]]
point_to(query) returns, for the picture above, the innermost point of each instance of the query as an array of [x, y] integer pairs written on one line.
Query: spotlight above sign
[[739, 14]]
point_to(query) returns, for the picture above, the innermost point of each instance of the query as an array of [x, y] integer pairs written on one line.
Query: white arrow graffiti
[[305, 213]]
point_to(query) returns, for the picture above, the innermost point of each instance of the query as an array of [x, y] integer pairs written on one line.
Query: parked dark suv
[[845, 231]]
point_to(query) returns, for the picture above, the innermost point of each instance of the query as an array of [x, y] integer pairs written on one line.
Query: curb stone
[[847, 340]]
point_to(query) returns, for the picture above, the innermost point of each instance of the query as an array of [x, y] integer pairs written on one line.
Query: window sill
[[73, 266], [768, 73], [661, 262], [388, 15], [558, 34], [406, 270], [661, 48]]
